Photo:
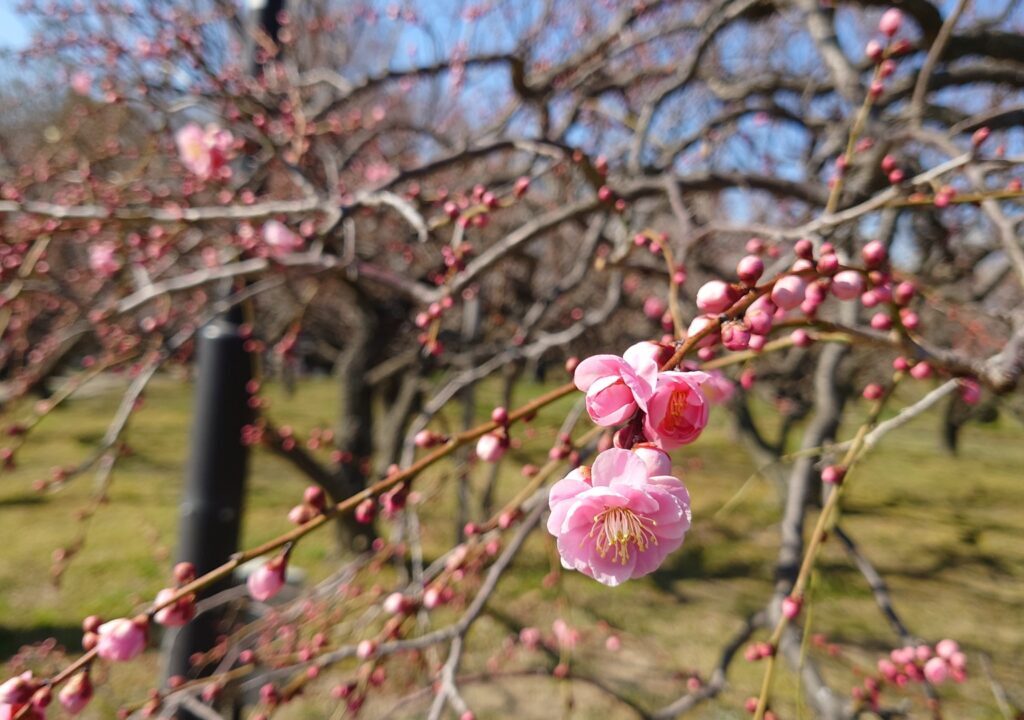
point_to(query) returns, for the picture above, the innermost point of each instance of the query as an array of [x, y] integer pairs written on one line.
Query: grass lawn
[[945, 532]]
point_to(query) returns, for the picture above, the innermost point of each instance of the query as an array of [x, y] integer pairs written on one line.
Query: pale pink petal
[[597, 366], [610, 402], [616, 464], [643, 358]]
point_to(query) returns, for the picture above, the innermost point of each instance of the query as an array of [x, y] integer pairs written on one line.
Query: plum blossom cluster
[[205, 152], [673, 408], [936, 665]]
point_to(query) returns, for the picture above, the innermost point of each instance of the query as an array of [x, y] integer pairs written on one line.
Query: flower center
[[617, 528], [674, 413]]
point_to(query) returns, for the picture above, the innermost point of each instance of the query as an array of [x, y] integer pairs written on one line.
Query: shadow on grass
[[696, 562], [22, 500], [13, 639]]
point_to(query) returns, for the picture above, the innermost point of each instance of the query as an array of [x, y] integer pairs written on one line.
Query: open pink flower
[[19, 689], [678, 410], [615, 521], [203, 151], [617, 386], [121, 639]]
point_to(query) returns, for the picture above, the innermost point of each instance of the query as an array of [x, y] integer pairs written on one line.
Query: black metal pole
[[211, 509]]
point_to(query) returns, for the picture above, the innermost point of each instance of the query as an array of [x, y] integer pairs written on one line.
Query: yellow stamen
[[617, 528]]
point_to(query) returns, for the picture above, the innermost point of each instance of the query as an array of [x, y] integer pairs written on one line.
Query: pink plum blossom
[[279, 239], [678, 410], [714, 297], [654, 307], [615, 521], [617, 386], [76, 693], [178, 613], [81, 82], [935, 671], [103, 259], [847, 285], [788, 292], [490, 447], [698, 325], [19, 689], [947, 648], [268, 579], [203, 152], [890, 22], [121, 639]]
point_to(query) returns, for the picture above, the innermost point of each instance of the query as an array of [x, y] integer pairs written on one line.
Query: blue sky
[[12, 31]]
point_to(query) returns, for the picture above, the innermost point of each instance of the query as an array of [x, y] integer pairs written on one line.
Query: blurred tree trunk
[[354, 433]]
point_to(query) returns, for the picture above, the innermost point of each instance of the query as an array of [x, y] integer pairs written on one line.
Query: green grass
[[945, 532]]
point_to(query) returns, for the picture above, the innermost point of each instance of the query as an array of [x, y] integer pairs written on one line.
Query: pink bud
[[755, 246], [698, 325], [757, 343], [425, 439], [804, 248], [184, 572], [735, 335], [747, 378], [935, 671], [788, 292], [980, 136], [76, 694], [970, 391], [490, 447], [921, 371], [903, 293], [909, 318], [654, 307], [365, 512], [314, 497], [121, 639], [395, 603], [750, 269], [178, 613], [874, 253], [791, 606], [800, 338], [847, 284], [890, 22], [714, 297], [499, 415], [945, 649], [833, 474], [759, 315], [873, 50], [828, 264], [873, 391], [366, 649], [881, 321], [267, 580]]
